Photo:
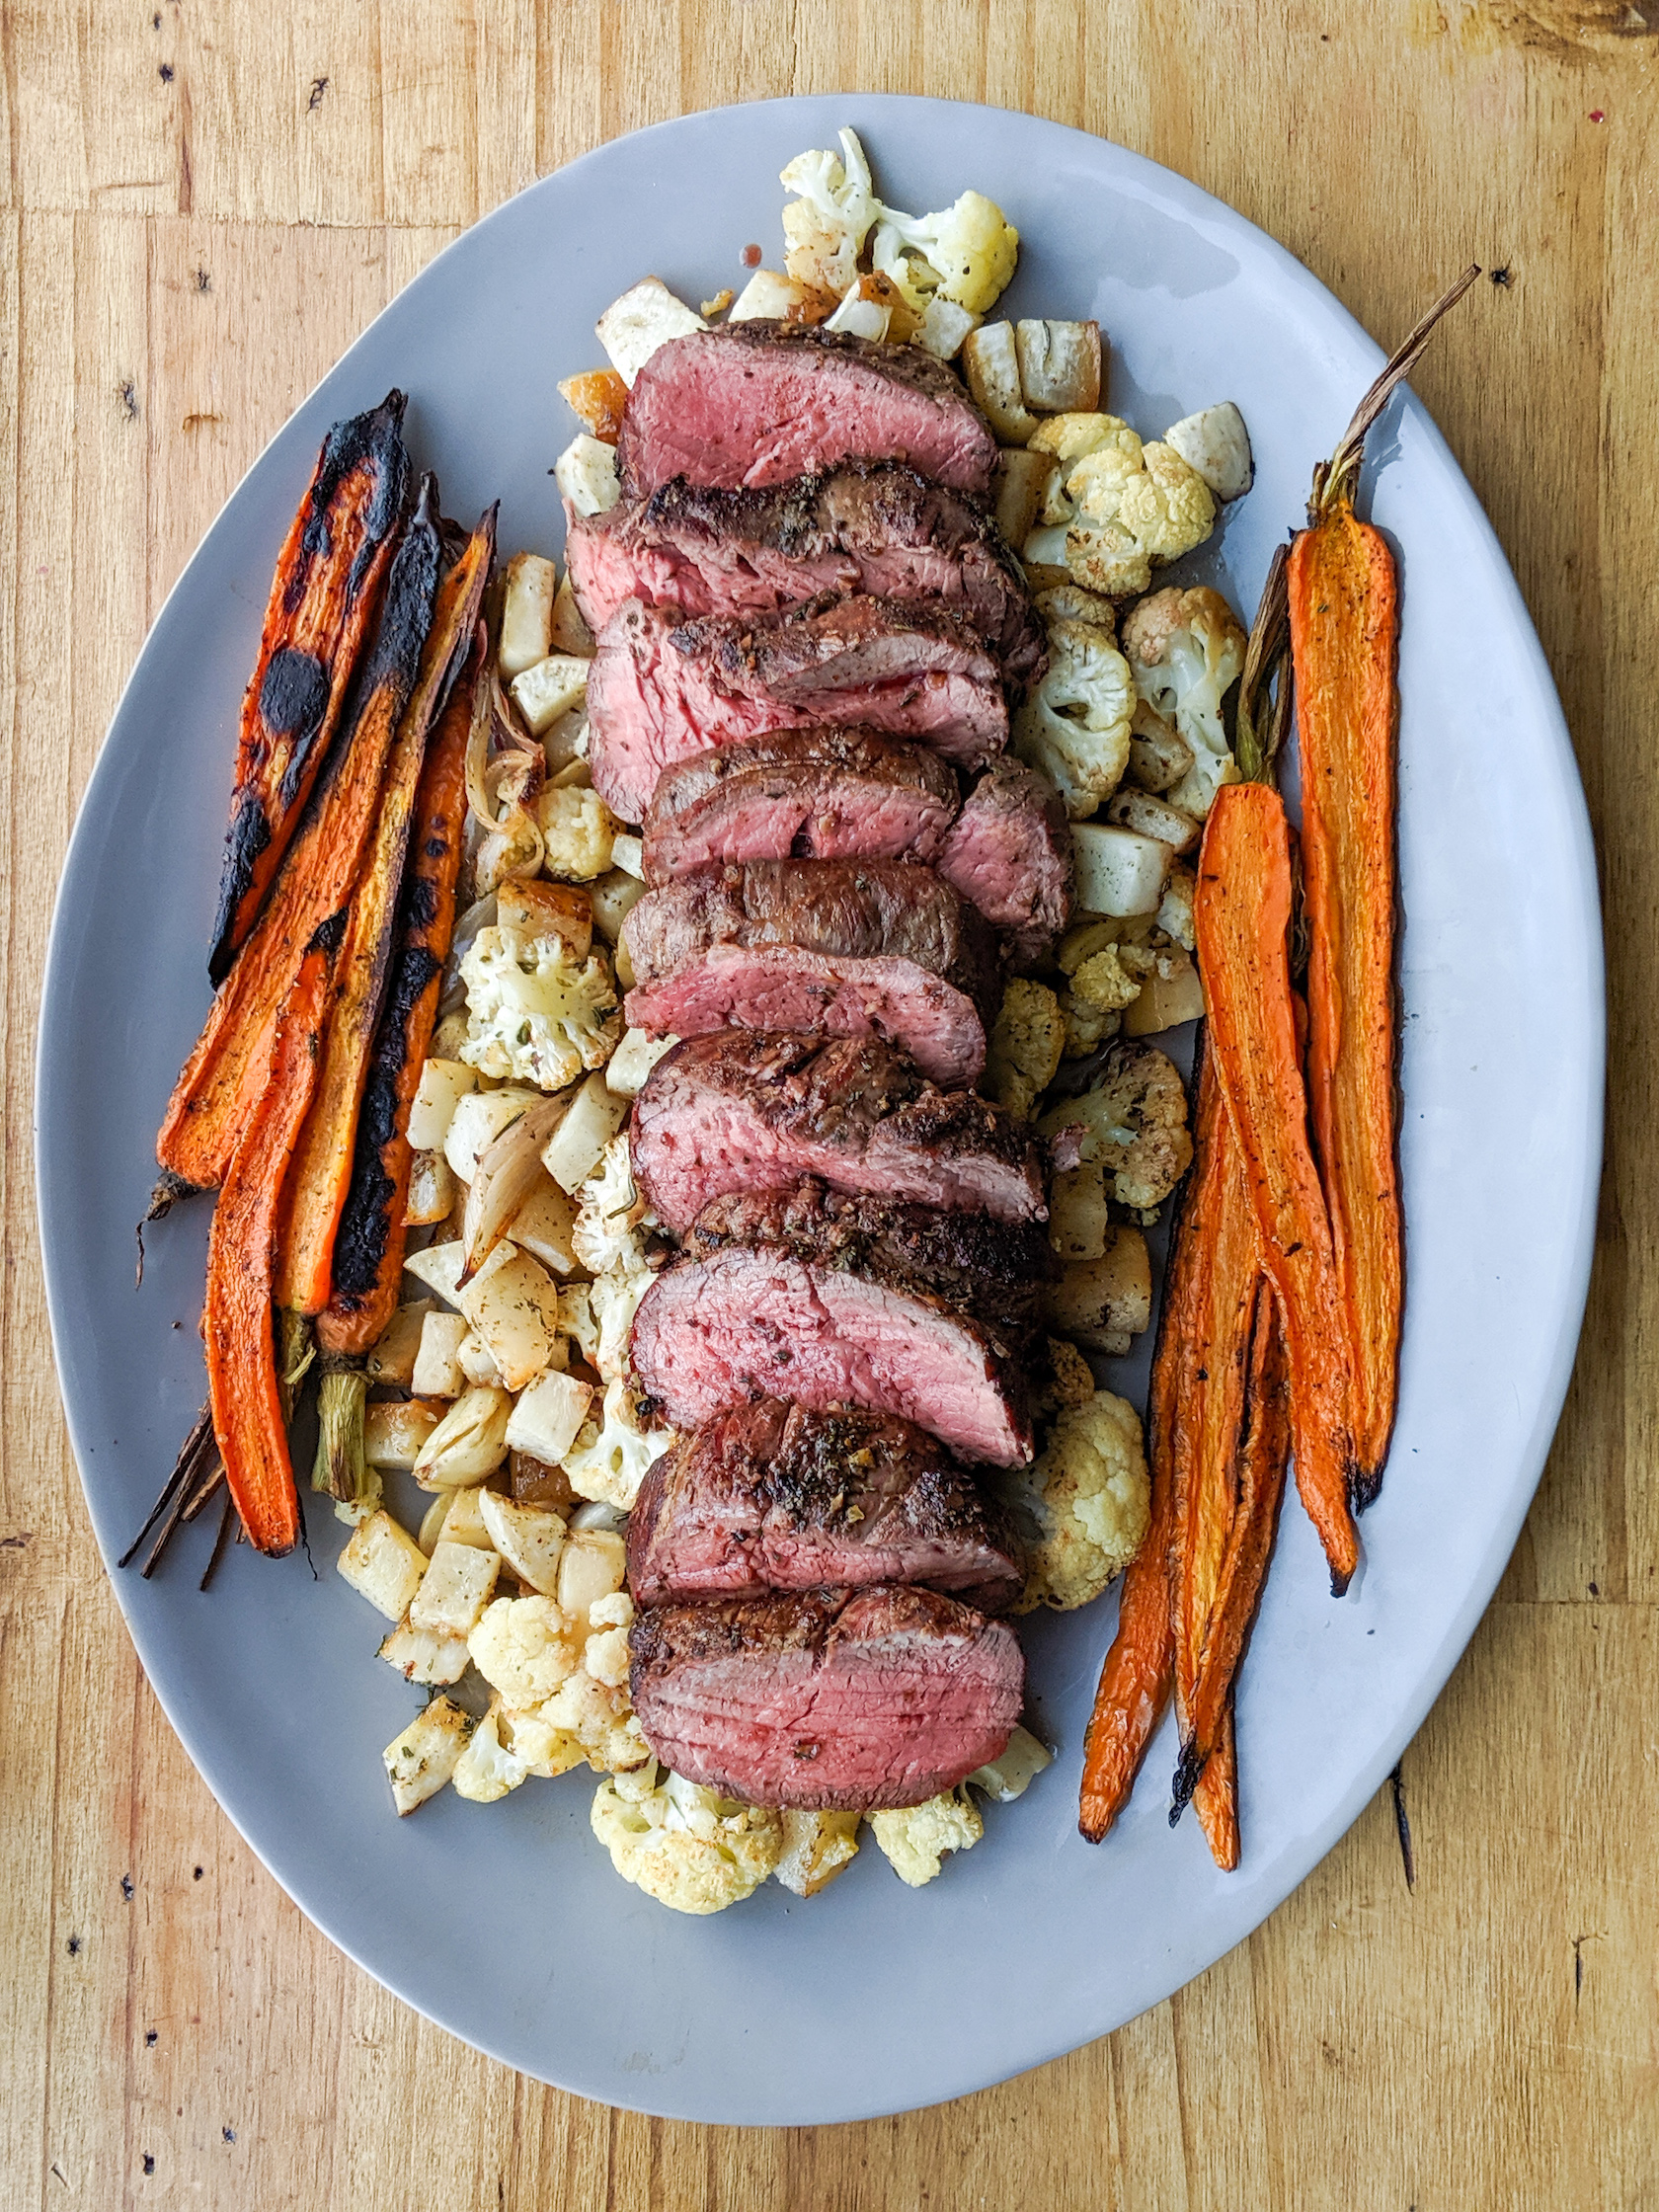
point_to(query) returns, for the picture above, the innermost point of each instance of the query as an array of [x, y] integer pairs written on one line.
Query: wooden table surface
[[206, 200]]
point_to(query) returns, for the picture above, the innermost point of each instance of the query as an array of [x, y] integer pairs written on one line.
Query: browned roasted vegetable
[[322, 1166], [237, 1323], [322, 601], [222, 1077], [369, 1250], [1216, 1799]]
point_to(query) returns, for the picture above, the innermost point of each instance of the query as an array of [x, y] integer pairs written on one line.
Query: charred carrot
[[1344, 630], [322, 1166], [322, 602], [1216, 1799], [222, 1078], [369, 1250], [237, 1324]]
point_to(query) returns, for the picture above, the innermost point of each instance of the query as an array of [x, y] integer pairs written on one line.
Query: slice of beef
[[759, 1320], [832, 947], [760, 402], [994, 1272], [741, 1111], [660, 689], [803, 795], [771, 1496], [835, 1699], [1009, 852], [871, 526]]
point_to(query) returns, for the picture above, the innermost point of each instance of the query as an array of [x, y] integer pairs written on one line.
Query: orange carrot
[[1344, 628], [324, 597], [237, 1326], [1216, 1797]]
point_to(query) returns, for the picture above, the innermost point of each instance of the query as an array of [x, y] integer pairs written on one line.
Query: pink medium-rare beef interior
[[1009, 853], [748, 1323], [875, 527], [831, 1699], [760, 402], [741, 1111], [660, 688], [826, 794], [771, 1496]]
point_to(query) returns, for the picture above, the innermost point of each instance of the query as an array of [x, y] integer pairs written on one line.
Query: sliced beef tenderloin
[[760, 402], [994, 1272], [761, 1319], [1009, 852], [829, 947], [803, 795], [833, 1700], [741, 1111], [660, 688], [872, 527], [771, 1496]]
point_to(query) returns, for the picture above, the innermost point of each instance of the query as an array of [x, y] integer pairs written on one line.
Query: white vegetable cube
[[992, 362], [422, 1759], [1216, 444], [1009, 1775], [592, 1565], [385, 1564], [392, 1359], [1170, 994], [944, 326], [437, 1370], [438, 1268], [1020, 484], [475, 1359], [632, 1060], [613, 895], [513, 1304], [530, 1539], [585, 474], [768, 294], [1118, 873], [426, 1655], [646, 316], [1079, 1214], [550, 689], [544, 1226], [569, 633], [549, 1417], [469, 1442], [431, 1191], [394, 1431], [462, 1521], [479, 1120], [443, 1084], [455, 1588], [628, 854], [816, 1847], [1060, 365], [526, 627], [574, 1150]]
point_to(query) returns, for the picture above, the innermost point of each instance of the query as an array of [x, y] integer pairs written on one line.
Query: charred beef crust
[[860, 909], [859, 1489], [993, 1272]]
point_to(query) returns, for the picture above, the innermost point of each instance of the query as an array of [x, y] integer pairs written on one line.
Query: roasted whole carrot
[[1216, 1799], [1344, 630], [220, 1080], [237, 1323], [1241, 915], [369, 1250], [322, 601], [322, 1165]]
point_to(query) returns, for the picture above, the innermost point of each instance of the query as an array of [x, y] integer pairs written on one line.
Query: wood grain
[[205, 201]]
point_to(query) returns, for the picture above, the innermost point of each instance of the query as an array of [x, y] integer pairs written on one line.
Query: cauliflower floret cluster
[[1023, 1053], [562, 1690], [1134, 1121], [1076, 727], [969, 248], [1125, 506], [917, 1839], [689, 1848], [610, 1456], [610, 1216], [578, 831], [826, 228], [1185, 650], [1085, 1505], [536, 1013]]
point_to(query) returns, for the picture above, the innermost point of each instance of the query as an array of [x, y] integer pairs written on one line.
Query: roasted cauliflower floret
[[1134, 1119], [611, 1456], [610, 1215], [1068, 438], [825, 226], [1185, 650], [1076, 727], [1025, 1045], [1136, 506], [526, 1648], [577, 830], [1106, 973], [536, 1013], [1084, 1507], [917, 1839], [690, 1849], [971, 247]]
